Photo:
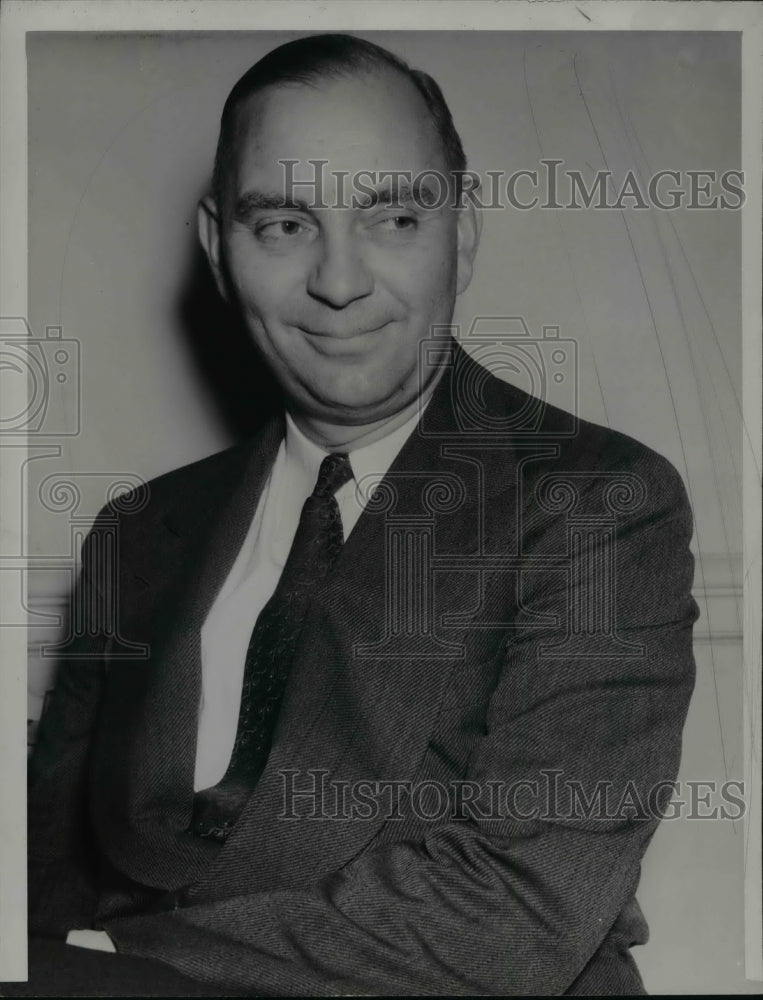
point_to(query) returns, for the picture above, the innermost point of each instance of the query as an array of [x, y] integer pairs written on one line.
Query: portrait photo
[[381, 457]]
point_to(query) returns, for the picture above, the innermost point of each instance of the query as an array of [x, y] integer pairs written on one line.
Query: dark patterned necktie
[[316, 546]]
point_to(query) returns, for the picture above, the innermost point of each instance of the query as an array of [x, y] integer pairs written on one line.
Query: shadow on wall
[[228, 365]]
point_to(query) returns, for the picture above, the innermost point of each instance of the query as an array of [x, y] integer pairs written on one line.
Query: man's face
[[338, 299]]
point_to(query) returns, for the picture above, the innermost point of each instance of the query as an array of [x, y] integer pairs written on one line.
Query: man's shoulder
[[584, 450], [199, 482], [213, 469]]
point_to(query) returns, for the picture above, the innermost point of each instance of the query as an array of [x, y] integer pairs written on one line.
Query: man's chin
[[352, 408], [351, 414]]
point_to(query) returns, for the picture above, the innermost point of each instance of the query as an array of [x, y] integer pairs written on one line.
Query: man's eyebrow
[[392, 191], [254, 201], [398, 191]]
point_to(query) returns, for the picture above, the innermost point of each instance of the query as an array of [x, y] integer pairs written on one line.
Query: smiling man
[[399, 644], [338, 299]]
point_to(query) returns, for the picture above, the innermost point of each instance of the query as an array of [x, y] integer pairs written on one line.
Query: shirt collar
[[302, 454], [369, 464]]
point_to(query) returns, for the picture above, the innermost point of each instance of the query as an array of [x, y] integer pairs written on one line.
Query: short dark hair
[[315, 57]]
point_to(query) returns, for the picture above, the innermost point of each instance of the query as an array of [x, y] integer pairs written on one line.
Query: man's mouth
[[339, 342], [342, 334]]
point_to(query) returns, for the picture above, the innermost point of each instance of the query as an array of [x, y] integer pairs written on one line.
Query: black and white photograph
[[381, 452]]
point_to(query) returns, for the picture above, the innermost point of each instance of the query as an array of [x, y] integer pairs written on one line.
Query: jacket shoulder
[[207, 477], [585, 449]]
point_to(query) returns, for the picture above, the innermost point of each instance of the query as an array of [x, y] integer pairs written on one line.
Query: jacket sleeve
[[497, 905], [61, 881]]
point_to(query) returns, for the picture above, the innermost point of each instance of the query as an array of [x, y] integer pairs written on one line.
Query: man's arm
[[492, 906], [62, 891]]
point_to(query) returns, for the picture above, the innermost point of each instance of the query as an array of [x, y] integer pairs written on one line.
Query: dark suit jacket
[[551, 645]]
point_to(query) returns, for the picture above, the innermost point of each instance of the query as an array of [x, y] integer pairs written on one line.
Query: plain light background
[[122, 130]]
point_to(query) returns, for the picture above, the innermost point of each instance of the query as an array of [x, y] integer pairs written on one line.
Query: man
[[398, 645]]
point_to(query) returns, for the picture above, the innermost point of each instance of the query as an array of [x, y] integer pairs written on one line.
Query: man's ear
[[469, 223], [209, 236]]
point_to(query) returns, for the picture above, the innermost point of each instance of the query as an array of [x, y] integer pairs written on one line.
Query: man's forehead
[[370, 121]]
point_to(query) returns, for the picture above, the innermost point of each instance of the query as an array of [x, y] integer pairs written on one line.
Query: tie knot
[[334, 472]]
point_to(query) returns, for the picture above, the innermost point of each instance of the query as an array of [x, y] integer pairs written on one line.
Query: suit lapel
[[146, 804]]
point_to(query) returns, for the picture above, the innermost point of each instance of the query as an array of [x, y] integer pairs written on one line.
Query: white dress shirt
[[256, 571]]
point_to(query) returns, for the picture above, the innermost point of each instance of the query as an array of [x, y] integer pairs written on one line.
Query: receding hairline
[[316, 59], [316, 80]]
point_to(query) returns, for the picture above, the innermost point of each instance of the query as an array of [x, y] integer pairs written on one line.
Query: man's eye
[[280, 229], [398, 223]]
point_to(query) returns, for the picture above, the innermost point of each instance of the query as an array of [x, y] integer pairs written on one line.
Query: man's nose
[[339, 275]]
